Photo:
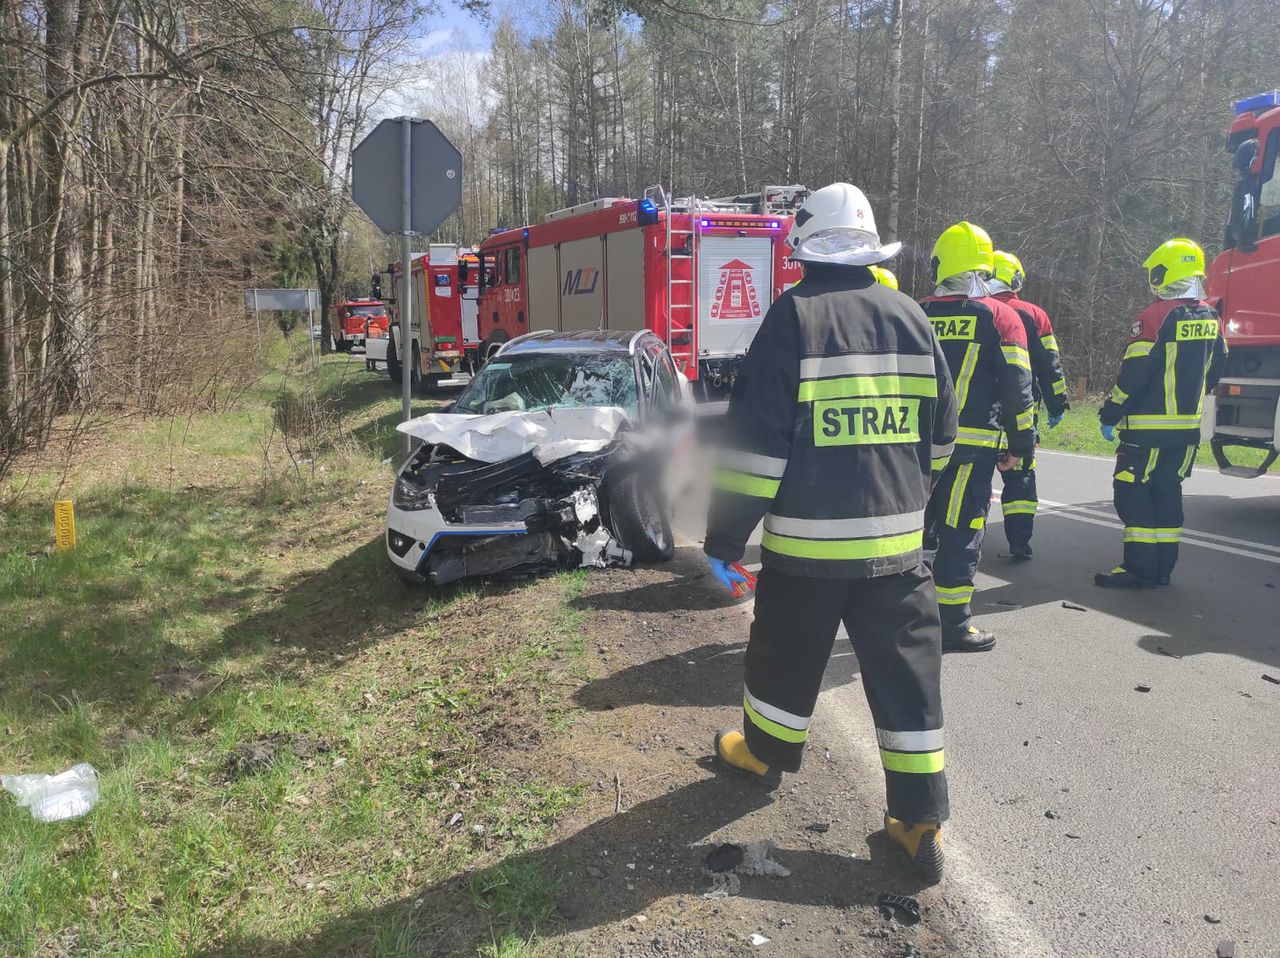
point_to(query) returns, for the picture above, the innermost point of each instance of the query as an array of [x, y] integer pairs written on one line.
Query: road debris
[[1050, 813], [758, 939], [1142, 688], [723, 885], [1270, 678], [1074, 607], [1213, 918], [1163, 651], [820, 827], [905, 909], [723, 858], [756, 860], [1072, 835]]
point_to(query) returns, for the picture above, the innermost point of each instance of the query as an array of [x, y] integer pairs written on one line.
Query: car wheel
[[393, 364], [639, 520]]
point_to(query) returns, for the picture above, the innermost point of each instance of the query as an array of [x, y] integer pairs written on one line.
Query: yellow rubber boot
[[923, 845], [731, 749]]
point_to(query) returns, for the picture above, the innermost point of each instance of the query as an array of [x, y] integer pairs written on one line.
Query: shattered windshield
[[543, 380]]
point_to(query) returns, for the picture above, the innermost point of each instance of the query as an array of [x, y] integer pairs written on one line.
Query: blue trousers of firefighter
[[1019, 502], [955, 524], [1148, 498]]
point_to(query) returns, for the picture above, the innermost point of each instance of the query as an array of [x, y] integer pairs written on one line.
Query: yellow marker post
[[64, 524]]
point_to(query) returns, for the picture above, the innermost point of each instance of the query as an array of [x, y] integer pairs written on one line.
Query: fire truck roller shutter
[[582, 284], [625, 289], [421, 318], [544, 289], [735, 285]]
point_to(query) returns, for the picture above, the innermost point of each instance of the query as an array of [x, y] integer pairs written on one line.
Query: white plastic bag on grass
[[55, 798]]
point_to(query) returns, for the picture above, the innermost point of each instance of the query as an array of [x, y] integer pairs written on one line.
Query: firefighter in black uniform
[[1018, 498], [841, 414], [986, 349], [1175, 355]]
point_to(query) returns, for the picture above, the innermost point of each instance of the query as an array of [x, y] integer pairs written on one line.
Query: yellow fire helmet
[[1172, 260], [1008, 269], [884, 276], [962, 248]]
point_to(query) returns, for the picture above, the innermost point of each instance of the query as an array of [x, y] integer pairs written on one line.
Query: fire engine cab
[[443, 330], [699, 273], [1244, 284]]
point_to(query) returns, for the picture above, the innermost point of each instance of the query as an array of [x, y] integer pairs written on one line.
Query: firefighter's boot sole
[[923, 845], [731, 750]]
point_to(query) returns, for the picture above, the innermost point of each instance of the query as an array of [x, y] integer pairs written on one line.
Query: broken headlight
[[410, 496]]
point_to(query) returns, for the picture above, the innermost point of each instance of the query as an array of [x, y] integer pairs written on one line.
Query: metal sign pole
[[406, 271], [257, 316], [311, 324]]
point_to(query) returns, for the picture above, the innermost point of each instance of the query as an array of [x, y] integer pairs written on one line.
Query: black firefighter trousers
[[955, 524], [892, 622], [1148, 497], [1019, 502]]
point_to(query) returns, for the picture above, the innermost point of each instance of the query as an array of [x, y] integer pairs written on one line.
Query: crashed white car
[[563, 451]]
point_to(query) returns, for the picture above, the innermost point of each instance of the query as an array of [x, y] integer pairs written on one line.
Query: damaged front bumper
[[451, 518]]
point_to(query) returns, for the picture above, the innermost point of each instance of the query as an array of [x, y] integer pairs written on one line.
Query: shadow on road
[[1218, 602], [709, 675], [663, 837]]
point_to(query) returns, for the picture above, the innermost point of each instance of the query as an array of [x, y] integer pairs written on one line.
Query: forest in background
[[158, 156]]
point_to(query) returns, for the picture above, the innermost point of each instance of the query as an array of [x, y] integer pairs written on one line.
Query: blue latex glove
[[728, 577], [1054, 420], [1108, 432]]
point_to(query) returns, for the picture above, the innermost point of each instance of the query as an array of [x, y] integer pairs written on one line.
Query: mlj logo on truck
[[580, 282], [735, 293]]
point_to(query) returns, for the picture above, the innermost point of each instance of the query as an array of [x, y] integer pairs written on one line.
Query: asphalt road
[[1165, 804]]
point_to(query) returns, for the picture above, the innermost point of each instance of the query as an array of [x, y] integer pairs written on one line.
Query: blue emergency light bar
[[647, 212], [1258, 103]]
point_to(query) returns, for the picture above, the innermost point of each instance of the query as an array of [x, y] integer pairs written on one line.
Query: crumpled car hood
[[549, 434]]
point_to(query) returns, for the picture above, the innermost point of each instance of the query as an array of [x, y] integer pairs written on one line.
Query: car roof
[[578, 341]]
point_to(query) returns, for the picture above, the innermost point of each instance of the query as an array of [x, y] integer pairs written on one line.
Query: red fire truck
[[1245, 282], [349, 321], [444, 304], [699, 273]]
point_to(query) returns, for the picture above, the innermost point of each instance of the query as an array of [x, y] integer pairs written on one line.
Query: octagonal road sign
[[435, 168]]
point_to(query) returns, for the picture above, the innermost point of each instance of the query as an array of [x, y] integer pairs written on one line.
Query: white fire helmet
[[836, 225]]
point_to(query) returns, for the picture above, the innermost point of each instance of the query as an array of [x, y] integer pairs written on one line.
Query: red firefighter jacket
[[1042, 345], [985, 345]]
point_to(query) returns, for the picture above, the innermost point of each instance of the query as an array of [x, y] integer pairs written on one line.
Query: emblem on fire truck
[[735, 293]]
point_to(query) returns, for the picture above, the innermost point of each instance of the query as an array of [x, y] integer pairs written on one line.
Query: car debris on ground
[[905, 909]]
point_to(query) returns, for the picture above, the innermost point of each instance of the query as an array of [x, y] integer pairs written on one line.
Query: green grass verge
[[229, 589], [1078, 432]]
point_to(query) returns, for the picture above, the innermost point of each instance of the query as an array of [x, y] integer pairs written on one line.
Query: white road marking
[[1001, 924], [1205, 540]]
